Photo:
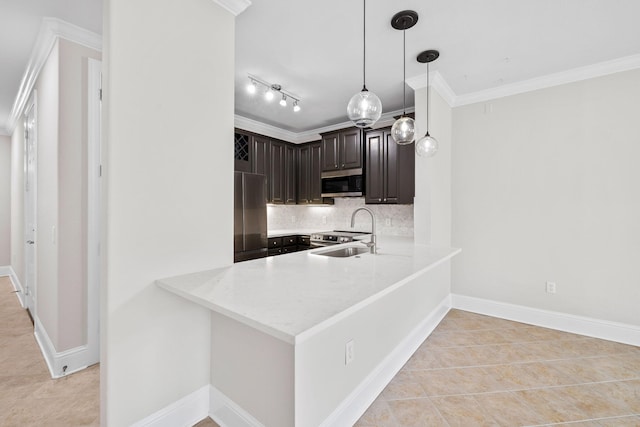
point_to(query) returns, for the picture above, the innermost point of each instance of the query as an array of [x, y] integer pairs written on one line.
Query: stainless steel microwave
[[343, 183]]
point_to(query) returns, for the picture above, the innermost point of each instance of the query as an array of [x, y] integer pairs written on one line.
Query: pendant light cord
[[404, 72], [364, 45], [428, 97]]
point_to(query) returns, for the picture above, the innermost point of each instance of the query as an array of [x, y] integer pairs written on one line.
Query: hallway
[[28, 395]]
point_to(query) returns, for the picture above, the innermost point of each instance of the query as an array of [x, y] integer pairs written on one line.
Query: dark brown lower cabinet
[[390, 176]]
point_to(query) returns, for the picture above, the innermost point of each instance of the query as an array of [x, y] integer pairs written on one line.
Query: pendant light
[[403, 130], [364, 108], [427, 146]]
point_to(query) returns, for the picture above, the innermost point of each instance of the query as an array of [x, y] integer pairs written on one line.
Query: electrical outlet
[[349, 352], [387, 222], [551, 287]]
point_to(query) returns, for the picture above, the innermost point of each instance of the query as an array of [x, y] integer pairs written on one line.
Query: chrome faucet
[[372, 243]]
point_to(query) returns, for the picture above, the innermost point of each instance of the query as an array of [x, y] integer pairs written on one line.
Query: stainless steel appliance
[[328, 238], [249, 216], [343, 183]]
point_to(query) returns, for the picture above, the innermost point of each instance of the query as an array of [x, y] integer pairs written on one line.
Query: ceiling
[[314, 49], [19, 25]]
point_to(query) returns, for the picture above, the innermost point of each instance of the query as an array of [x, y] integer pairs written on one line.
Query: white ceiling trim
[[255, 126], [437, 82], [570, 76], [236, 7], [50, 30]]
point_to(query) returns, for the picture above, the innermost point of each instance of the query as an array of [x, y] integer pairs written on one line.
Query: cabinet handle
[[379, 200], [385, 200], [343, 165]]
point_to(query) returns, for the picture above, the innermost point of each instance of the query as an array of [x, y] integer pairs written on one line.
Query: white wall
[[432, 208], [5, 200], [545, 188], [72, 194], [61, 289], [48, 101], [168, 176]]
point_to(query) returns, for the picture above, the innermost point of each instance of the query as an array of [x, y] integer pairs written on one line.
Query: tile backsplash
[[391, 220]]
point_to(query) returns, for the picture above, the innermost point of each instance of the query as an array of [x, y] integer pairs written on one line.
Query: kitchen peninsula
[[297, 339]]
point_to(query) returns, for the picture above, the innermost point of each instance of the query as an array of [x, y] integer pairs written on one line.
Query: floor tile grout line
[[511, 390], [582, 421]]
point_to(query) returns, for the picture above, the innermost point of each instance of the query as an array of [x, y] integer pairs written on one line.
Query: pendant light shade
[[427, 146], [403, 130], [364, 108]]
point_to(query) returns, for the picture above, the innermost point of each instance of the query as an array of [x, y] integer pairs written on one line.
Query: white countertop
[[293, 296]]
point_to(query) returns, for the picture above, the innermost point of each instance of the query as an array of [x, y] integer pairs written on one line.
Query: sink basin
[[344, 252]]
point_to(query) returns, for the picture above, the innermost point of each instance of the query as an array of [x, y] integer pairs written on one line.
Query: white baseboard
[[603, 329], [352, 408], [62, 363], [183, 413], [227, 413], [8, 271]]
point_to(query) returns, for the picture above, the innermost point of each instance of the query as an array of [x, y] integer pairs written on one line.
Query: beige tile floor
[[472, 371], [28, 395], [481, 371]]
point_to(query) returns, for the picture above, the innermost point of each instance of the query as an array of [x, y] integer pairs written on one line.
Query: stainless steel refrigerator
[[250, 216]]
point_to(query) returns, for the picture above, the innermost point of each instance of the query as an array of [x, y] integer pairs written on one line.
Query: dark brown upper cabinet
[[288, 181], [342, 150], [309, 173], [390, 177], [290, 175], [277, 177]]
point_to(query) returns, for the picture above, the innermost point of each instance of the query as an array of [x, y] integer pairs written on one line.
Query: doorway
[[30, 200]]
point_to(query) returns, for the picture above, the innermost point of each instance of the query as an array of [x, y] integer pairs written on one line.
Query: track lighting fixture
[[271, 90]]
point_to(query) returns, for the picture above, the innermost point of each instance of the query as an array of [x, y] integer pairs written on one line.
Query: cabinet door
[[304, 164], [277, 172], [330, 155], [351, 149], [390, 159], [260, 151], [261, 159], [242, 151], [374, 179], [315, 172], [290, 174]]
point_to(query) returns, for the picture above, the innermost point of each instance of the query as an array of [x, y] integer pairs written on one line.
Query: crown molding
[[570, 76], [437, 82], [255, 126], [51, 30], [236, 7]]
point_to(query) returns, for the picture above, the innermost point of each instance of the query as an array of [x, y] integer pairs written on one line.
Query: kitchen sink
[[344, 252]]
